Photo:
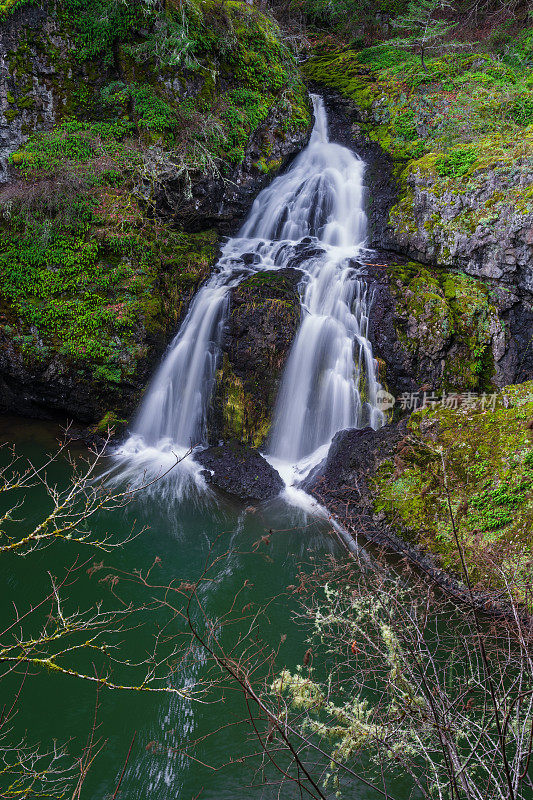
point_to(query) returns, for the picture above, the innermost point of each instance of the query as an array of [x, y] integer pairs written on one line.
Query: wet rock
[[441, 330], [483, 227], [240, 471], [341, 481], [262, 323]]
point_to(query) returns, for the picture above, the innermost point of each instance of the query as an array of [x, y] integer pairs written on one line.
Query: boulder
[[262, 323], [240, 471]]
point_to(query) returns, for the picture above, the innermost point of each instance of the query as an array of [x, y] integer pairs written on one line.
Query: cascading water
[[330, 380]]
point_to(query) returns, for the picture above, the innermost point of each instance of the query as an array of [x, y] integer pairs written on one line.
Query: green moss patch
[[82, 282], [488, 453], [447, 311]]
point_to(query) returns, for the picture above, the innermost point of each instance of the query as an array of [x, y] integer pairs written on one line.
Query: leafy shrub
[[73, 142], [521, 110], [457, 163], [405, 125]]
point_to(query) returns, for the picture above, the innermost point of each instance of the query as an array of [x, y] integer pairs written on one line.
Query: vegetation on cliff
[[148, 101], [460, 133], [487, 448]]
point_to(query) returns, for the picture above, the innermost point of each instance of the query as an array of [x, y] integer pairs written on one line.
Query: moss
[[446, 312], [90, 286], [445, 129], [489, 460], [10, 6], [242, 417], [110, 422]]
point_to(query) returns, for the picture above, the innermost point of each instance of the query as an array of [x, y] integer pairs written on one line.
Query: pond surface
[[183, 535]]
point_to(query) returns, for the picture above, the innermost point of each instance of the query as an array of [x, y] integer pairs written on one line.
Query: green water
[[182, 536]]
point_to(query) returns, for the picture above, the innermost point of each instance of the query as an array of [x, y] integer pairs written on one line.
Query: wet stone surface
[[240, 471]]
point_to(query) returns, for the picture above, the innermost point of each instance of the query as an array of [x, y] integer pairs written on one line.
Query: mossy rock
[[447, 318], [487, 447]]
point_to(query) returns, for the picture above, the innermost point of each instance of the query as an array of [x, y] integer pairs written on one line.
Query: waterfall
[[330, 378]]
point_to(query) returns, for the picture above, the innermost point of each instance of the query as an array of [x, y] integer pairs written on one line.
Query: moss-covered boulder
[[262, 323], [437, 330], [487, 447], [392, 486]]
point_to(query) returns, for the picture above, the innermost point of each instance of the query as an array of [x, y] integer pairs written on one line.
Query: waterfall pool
[[181, 534]]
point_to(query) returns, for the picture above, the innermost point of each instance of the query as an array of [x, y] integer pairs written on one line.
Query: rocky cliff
[[450, 177], [131, 138]]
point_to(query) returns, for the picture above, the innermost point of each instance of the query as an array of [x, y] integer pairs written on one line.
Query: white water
[[330, 379]]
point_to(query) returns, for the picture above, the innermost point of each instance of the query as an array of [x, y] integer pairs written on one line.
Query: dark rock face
[[40, 113], [262, 322], [223, 204], [241, 472], [437, 329], [340, 483]]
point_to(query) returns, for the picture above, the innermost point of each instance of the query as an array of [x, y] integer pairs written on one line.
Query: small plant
[[457, 163]]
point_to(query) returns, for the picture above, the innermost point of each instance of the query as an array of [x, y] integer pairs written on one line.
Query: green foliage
[[493, 508], [99, 24], [521, 109], [10, 6], [245, 110], [73, 143], [347, 16], [86, 297], [153, 112], [405, 125], [489, 458], [457, 163], [174, 39], [381, 56]]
